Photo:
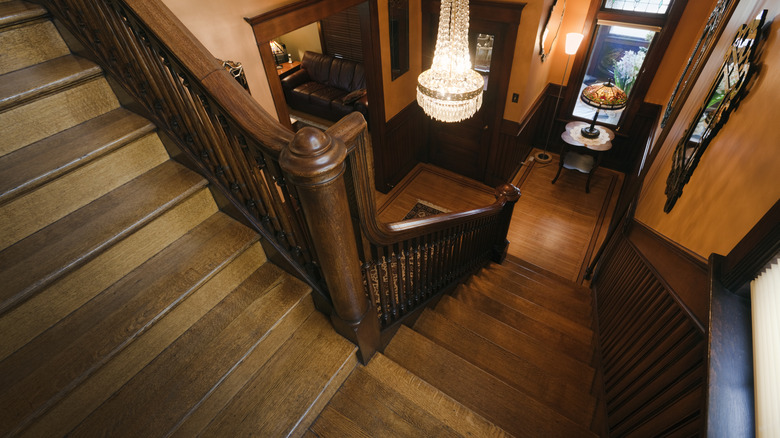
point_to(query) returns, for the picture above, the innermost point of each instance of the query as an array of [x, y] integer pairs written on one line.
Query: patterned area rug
[[424, 209]]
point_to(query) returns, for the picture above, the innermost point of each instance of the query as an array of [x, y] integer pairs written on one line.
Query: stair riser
[[67, 414], [39, 208], [49, 115], [29, 44], [98, 274]]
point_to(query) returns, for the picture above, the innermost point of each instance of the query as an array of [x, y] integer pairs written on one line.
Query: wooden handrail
[[291, 188], [209, 71], [349, 130]]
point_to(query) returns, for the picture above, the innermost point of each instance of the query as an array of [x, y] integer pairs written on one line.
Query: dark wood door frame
[[288, 18], [508, 13]]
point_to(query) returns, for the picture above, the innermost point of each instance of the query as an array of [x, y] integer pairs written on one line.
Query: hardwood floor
[[434, 185], [557, 227]]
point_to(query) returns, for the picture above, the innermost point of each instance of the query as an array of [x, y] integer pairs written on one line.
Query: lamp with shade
[[279, 52], [601, 96], [573, 41]]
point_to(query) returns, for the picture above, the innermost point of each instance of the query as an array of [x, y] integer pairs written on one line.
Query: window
[[617, 56], [625, 46], [650, 6]]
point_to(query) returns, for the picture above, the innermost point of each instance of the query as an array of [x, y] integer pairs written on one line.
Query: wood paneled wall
[[653, 347], [407, 141], [406, 145]]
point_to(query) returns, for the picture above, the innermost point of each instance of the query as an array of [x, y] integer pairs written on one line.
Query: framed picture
[[727, 90]]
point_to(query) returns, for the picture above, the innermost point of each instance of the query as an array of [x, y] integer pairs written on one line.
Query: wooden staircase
[[129, 305], [511, 352]]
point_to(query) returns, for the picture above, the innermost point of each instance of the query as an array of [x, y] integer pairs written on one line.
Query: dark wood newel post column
[[314, 162], [511, 194]]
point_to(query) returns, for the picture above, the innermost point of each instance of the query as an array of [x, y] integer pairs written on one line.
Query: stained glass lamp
[[601, 96]]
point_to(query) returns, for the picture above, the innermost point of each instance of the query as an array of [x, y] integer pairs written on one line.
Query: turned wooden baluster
[[314, 162]]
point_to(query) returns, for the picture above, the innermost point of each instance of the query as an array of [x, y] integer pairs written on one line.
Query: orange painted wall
[[221, 28], [530, 75], [736, 180], [402, 91], [679, 50]]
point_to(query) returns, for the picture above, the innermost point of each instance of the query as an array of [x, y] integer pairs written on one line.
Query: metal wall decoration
[[693, 67], [726, 92], [544, 31], [237, 71]]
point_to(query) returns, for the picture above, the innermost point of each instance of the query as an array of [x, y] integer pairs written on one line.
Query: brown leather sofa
[[327, 87]]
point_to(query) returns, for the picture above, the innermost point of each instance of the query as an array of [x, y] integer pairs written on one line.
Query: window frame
[[597, 13]]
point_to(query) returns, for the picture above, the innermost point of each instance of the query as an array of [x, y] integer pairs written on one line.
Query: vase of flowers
[[626, 69]]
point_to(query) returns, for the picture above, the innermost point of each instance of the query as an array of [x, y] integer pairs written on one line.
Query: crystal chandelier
[[450, 91]]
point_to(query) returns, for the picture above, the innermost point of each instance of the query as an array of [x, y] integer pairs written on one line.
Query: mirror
[[398, 12], [727, 90], [545, 31]]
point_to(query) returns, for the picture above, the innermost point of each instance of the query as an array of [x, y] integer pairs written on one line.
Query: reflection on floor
[[557, 227]]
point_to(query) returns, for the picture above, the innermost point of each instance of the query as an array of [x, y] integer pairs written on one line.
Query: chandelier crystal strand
[[450, 91]]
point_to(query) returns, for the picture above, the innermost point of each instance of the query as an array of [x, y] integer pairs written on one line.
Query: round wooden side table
[[583, 154]]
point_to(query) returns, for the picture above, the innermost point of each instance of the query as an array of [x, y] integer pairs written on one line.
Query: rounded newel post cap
[[313, 157], [510, 192]]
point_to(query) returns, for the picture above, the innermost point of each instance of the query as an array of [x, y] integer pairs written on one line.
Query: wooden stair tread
[[47, 368], [520, 266], [290, 390], [573, 402], [374, 406], [15, 12], [548, 298], [520, 344], [383, 398], [577, 329], [333, 424], [34, 165], [42, 79], [524, 277], [425, 396], [64, 245], [545, 334], [29, 42], [478, 390], [246, 321], [110, 378], [568, 295]]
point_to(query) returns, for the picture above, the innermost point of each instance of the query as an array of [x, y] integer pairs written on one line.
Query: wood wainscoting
[[405, 146], [651, 300]]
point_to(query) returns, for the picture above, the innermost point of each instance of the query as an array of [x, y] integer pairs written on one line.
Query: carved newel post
[[314, 162], [511, 194]]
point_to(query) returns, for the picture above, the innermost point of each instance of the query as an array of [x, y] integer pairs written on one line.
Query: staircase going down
[[509, 353], [129, 305]]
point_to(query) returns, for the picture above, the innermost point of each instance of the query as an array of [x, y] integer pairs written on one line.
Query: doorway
[[465, 147]]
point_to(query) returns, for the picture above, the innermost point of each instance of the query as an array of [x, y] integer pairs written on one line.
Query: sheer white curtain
[[765, 304]]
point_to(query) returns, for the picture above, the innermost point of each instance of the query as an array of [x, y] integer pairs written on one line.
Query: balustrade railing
[[405, 263], [310, 194], [189, 96]]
